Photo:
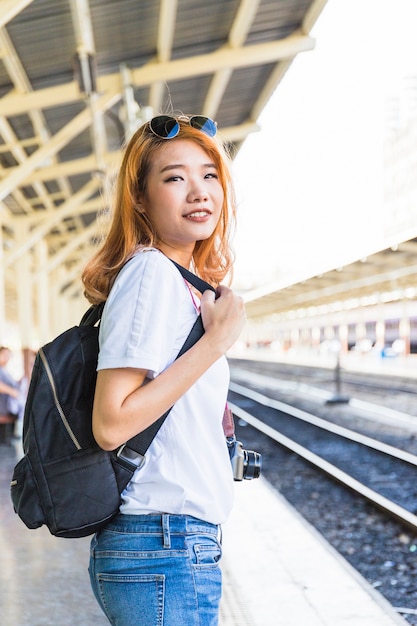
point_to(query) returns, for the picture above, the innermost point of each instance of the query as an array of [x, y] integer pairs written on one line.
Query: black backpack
[[65, 480]]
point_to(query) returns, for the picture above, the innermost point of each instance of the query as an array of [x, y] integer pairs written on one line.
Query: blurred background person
[[10, 398]]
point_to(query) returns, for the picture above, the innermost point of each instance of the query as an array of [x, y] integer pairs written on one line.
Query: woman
[[157, 562], [10, 402]]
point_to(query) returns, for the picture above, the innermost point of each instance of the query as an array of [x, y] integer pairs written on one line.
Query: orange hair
[[131, 227]]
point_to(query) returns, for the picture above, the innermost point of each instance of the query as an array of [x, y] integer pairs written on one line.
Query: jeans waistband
[[161, 523]]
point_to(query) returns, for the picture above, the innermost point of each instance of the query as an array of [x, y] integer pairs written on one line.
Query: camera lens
[[252, 464]]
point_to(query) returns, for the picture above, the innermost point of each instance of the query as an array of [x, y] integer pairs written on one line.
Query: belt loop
[[220, 534], [165, 529]]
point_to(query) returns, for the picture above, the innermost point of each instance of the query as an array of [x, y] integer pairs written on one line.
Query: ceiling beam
[[63, 253], [269, 87], [310, 293], [244, 56], [242, 23], [113, 159], [70, 168], [237, 37], [10, 8], [57, 142], [166, 28], [64, 211], [312, 15], [22, 84], [86, 207], [165, 38], [234, 134]]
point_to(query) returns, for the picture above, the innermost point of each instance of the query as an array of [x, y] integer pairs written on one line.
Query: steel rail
[[374, 444], [398, 512]]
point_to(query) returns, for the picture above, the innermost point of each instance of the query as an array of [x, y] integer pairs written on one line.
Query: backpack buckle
[[130, 456]]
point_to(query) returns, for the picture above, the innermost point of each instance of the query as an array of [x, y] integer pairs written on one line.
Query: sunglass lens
[[205, 124], [164, 126]]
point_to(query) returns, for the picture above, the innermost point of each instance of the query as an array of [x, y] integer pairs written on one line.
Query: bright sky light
[[310, 183]]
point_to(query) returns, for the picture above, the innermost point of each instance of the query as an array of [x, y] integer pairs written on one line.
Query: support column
[[343, 338], [380, 334], [42, 286], [60, 315], [404, 330], [2, 291], [24, 300]]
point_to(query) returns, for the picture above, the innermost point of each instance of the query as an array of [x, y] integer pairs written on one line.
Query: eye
[[212, 175], [174, 178]]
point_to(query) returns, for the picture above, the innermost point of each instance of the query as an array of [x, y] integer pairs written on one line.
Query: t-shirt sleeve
[[143, 323]]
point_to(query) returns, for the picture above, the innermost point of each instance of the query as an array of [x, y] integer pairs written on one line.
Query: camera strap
[[228, 423]]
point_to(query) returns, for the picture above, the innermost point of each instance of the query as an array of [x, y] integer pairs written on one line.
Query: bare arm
[[8, 390], [123, 406]]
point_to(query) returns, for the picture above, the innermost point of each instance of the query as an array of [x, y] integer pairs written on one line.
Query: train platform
[[278, 571], [370, 363]]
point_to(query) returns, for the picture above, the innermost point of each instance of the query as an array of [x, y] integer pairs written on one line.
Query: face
[[183, 197]]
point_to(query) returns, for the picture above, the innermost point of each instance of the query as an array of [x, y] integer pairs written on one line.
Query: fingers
[[208, 296], [224, 316]]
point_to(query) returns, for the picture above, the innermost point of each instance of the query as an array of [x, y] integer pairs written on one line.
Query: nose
[[197, 192]]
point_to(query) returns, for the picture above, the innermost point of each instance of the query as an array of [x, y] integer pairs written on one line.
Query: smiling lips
[[198, 214]]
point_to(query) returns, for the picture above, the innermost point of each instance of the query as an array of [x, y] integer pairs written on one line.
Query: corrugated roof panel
[[57, 117], [21, 126], [185, 96], [202, 26], [43, 37], [276, 20], [124, 32], [236, 106]]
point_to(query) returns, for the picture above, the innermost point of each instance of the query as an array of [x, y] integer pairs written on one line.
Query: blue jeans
[[157, 570]]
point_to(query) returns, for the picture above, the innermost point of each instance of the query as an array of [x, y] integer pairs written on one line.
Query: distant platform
[[405, 366]]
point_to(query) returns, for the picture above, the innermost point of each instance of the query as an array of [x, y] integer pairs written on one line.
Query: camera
[[246, 464]]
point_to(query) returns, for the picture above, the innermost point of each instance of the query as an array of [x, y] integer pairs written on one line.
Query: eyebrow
[[174, 166]]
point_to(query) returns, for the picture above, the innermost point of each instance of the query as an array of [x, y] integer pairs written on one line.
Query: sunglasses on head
[[167, 127]]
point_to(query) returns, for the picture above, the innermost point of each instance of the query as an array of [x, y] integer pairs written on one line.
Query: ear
[[140, 204]]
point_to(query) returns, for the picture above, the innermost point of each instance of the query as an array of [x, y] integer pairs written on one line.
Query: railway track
[[383, 474], [326, 380]]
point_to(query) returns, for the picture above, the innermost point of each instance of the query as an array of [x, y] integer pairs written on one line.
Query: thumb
[[208, 297]]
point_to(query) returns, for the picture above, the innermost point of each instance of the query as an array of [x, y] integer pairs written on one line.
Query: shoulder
[[149, 275], [149, 263]]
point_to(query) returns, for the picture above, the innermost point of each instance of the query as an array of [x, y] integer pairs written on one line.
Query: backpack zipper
[[57, 403]]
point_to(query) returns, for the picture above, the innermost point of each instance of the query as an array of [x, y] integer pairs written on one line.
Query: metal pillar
[[42, 287], [2, 291]]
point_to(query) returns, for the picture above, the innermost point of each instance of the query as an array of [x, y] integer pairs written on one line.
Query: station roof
[[386, 275], [74, 72]]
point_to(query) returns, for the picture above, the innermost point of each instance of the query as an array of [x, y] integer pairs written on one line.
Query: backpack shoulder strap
[[92, 315], [141, 442], [196, 281]]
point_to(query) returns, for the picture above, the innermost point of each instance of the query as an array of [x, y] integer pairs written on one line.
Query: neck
[[182, 257]]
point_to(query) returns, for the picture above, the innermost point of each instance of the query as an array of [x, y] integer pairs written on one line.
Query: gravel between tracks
[[383, 551]]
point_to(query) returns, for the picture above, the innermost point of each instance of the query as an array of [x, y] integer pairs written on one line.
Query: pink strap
[[196, 306], [228, 422]]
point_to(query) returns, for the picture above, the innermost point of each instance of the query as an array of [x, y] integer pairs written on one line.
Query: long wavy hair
[[130, 227]]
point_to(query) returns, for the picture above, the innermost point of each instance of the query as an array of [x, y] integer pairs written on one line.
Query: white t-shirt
[[146, 319]]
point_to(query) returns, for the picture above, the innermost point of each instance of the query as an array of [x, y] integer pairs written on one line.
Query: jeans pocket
[[207, 554], [143, 594]]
